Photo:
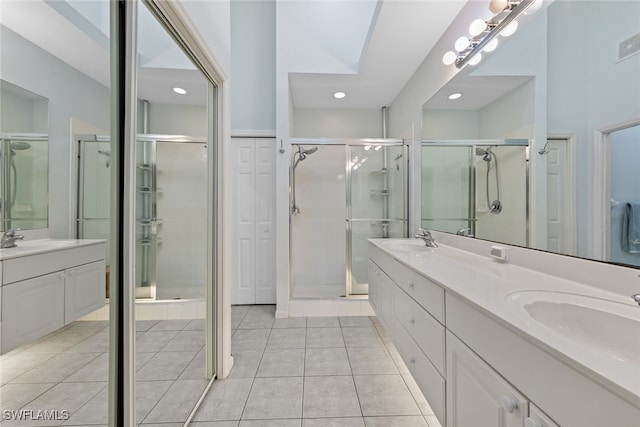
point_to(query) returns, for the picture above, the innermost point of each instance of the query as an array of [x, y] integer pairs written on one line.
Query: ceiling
[[366, 48]]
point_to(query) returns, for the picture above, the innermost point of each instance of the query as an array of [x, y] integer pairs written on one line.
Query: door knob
[[509, 404]]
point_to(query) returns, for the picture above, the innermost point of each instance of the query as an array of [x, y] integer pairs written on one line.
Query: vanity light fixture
[[339, 94], [179, 90], [456, 95], [483, 33]]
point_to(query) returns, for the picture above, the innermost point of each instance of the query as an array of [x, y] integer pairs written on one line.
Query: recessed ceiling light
[[179, 90], [455, 95], [339, 95]]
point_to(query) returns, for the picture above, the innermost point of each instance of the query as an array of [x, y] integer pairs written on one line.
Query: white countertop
[[496, 287], [32, 247]]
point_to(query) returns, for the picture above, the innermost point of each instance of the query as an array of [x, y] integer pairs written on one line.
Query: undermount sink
[[36, 246], [602, 325]]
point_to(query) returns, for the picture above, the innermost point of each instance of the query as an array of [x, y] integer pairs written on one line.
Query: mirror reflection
[[24, 158], [569, 90], [69, 69]]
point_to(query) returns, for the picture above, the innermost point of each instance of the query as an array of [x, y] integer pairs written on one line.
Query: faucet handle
[[424, 232], [636, 298]]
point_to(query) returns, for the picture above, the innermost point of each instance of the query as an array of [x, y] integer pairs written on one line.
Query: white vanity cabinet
[[476, 394], [44, 290]]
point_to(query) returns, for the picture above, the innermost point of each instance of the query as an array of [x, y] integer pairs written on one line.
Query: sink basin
[[609, 327]]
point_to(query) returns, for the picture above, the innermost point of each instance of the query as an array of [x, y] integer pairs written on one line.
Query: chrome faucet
[[464, 232], [636, 298], [9, 238], [426, 237]]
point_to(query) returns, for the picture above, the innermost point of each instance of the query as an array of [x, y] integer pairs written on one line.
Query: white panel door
[[559, 220], [254, 192], [265, 222]]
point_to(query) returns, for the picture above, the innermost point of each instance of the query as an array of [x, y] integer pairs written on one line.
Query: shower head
[[20, 145], [308, 151], [486, 154], [302, 154]]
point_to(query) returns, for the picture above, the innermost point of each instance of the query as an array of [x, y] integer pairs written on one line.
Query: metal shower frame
[[348, 143]]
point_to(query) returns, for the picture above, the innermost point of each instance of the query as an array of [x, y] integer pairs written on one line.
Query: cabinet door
[[31, 308], [537, 418], [380, 288], [84, 290], [476, 395]]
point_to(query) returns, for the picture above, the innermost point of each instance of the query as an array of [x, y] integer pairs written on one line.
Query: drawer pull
[[412, 322], [530, 422], [412, 360], [411, 285], [509, 404], [61, 276]]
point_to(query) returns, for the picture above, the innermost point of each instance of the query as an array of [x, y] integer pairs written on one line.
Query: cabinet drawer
[[381, 258], [424, 291], [26, 267], [426, 331], [426, 376]]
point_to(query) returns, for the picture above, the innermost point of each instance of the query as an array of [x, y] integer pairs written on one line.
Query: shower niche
[[343, 192], [171, 206]]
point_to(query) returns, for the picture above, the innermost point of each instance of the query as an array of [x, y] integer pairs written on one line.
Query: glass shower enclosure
[[171, 176], [24, 177], [477, 188], [343, 192]]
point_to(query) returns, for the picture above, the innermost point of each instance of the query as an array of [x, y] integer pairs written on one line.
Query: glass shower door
[[448, 206], [376, 204]]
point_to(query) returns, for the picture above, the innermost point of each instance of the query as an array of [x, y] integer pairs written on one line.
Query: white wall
[[171, 119], [450, 124], [253, 67], [342, 123], [71, 94], [588, 88]]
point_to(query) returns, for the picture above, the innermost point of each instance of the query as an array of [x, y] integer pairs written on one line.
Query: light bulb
[[497, 6], [179, 90], [509, 29], [462, 43], [449, 58], [475, 59], [454, 96], [477, 27], [339, 95], [491, 46]]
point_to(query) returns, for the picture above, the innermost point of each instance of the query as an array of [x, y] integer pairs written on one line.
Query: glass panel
[[446, 206], [377, 181], [318, 226], [360, 232], [181, 220], [377, 195], [26, 198]]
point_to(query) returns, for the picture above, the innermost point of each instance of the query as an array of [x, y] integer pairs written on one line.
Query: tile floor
[[303, 372], [68, 370], [308, 372]]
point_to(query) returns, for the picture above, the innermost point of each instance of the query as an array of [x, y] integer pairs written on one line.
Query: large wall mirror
[[24, 158], [567, 84], [55, 83]]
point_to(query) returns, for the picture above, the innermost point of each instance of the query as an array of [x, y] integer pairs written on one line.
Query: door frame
[[601, 207]]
